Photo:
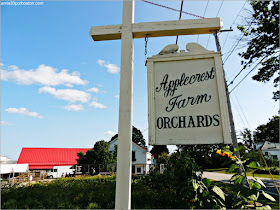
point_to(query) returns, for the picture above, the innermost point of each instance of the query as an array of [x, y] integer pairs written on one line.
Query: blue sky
[[59, 88]]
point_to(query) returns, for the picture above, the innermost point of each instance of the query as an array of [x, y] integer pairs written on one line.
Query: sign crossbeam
[[157, 29]]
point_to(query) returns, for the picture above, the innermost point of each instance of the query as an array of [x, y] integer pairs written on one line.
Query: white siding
[[141, 155]]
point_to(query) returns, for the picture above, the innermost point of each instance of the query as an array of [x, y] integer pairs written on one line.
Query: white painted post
[[123, 186]]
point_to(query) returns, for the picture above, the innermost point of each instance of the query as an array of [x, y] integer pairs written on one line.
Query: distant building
[[142, 160], [8, 167], [47, 158], [271, 150], [5, 160]]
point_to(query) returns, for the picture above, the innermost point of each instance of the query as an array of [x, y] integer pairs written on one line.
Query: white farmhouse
[[271, 149], [142, 160]]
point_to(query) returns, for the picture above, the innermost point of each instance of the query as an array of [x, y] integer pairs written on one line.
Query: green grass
[[215, 169], [224, 171], [256, 175]]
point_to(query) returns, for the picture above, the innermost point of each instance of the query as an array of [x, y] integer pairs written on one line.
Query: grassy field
[[224, 171]]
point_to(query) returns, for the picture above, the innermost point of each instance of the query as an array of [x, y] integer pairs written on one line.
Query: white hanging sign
[[187, 97]]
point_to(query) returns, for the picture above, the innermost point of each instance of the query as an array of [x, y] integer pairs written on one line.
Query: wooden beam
[[157, 29], [124, 162]]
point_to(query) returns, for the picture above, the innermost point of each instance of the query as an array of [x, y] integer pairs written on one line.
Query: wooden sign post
[[127, 32]]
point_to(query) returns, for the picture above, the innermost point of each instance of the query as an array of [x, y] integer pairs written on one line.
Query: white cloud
[[99, 85], [44, 75], [75, 108], [2, 64], [110, 133], [23, 111], [66, 94], [97, 105], [111, 68], [100, 62], [117, 96], [6, 123], [96, 90]]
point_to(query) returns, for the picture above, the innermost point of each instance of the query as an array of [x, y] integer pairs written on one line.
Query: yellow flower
[[226, 153], [232, 157], [219, 152]]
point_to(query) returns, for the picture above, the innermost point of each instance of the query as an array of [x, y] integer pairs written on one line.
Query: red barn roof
[[47, 158]]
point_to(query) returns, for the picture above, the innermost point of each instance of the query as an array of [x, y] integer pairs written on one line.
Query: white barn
[[142, 160]]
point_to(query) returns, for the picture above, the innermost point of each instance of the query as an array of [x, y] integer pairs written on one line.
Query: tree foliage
[[205, 155], [99, 154], [269, 131], [137, 137], [163, 158], [247, 137], [262, 32], [158, 150]]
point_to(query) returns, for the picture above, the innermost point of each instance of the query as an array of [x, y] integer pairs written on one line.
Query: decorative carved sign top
[[192, 49]]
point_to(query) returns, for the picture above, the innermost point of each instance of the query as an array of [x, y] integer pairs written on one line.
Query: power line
[[241, 46], [188, 13], [203, 16], [245, 76], [235, 45], [238, 112], [180, 18], [234, 22], [144, 130], [236, 76], [242, 111], [220, 8], [249, 72], [216, 16]]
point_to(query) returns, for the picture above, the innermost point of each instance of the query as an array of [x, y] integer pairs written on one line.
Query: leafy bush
[[183, 181], [250, 199], [66, 193]]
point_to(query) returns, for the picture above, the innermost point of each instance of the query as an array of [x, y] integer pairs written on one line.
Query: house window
[[138, 170], [133, 156], [274, 157], [133, 169], [266, 153]]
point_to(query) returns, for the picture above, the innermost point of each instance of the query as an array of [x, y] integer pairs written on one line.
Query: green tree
[[262, 34], [81, 158], [269, 131], [100, 154], [163, 158], [205, 155], [247, 138], [137, 137], [158, 150]]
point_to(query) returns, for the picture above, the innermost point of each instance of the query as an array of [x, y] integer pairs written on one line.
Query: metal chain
[[146, 43]]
